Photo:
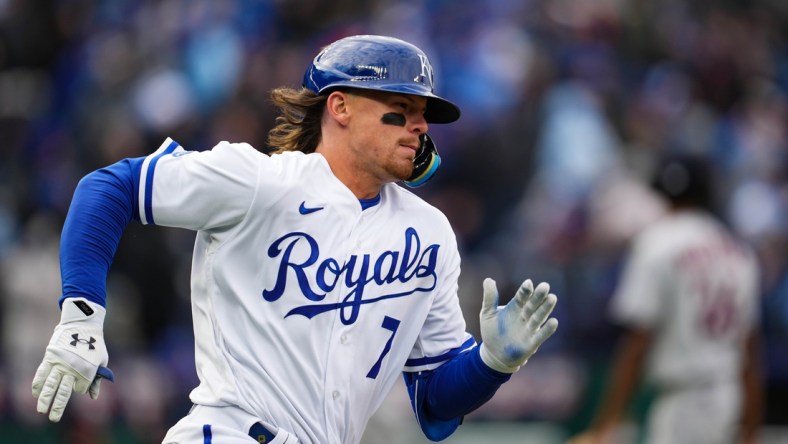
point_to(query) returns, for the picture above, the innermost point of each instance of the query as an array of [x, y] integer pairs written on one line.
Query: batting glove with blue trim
[[75, 359], [512, 333]]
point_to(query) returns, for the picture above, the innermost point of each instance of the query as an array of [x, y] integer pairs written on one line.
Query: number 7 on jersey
[[391, 325]]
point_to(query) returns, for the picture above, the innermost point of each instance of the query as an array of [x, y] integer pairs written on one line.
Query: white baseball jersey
[[306, 309], [696, 288]]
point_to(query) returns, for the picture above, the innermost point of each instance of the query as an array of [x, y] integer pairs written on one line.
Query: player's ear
[[337, 107]]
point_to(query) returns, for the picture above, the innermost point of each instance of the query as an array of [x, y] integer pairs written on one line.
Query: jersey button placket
[[338, 372]]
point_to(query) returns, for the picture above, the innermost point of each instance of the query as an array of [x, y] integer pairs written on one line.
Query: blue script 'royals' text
[[358, 271]]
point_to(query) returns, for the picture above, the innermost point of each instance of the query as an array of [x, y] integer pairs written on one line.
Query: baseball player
[[317, 280], [689, 296]]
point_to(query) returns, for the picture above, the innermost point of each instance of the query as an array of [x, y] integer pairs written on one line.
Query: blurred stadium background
[[566, 105]]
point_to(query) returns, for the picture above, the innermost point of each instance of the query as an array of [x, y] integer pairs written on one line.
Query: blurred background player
[[689, 299]]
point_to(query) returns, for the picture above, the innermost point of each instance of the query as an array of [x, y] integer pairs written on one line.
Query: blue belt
[[261, 433]]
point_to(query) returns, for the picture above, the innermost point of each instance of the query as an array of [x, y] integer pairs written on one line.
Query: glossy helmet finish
[[379, 63]]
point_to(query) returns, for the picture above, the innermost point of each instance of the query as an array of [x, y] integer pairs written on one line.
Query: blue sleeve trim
[[444, 357], [442, 397], [169, 146], [104, 202]]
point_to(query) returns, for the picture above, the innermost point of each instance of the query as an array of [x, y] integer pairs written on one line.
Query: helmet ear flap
[[425, 164]]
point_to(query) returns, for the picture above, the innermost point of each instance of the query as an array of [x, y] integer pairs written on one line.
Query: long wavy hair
[[297, 128]]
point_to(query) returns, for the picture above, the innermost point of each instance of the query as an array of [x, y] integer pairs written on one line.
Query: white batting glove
[[512, 333], [75, 359]]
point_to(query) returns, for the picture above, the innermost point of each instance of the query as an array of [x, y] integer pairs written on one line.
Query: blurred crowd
[[567, 105]]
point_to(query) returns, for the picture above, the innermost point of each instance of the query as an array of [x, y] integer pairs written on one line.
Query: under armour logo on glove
[[75, 360], [89, 342]]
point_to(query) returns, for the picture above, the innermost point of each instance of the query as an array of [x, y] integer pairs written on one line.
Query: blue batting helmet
[[379, 63]]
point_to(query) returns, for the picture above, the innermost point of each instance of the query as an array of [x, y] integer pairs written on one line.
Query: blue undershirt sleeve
[[104, 202], [441, 397]]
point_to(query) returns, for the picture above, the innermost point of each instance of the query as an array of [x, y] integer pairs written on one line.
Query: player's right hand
[[75, 359], [512, 333]]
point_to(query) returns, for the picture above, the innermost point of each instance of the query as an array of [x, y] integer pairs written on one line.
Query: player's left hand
[[75, 359], [512, 333]]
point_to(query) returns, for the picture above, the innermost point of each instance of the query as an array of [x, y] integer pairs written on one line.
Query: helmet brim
[[439, 110]]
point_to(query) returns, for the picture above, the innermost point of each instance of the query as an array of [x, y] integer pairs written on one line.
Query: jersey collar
[[369, 203]]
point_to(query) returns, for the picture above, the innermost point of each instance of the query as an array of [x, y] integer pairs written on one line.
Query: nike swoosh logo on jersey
[[303, 209]]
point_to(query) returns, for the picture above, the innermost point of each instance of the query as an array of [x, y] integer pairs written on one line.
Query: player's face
[[385, 132]]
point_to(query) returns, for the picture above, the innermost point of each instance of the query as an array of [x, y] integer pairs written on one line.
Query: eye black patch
[[395, 119]]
